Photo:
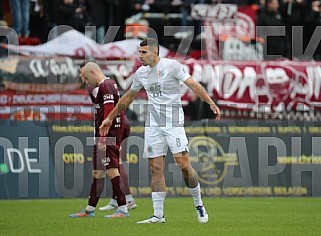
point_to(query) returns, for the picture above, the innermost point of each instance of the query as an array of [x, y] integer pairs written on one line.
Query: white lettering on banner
[[232, 77], [247, 85], [37, 69], [10, 153], [249, 81], [20, 169], [287, 87], [245, 25], [214, 12], [47, 99], [75, 99], [36, 99], [235, 49], [276, 76], [29, 160], [314, 73], [226, 79], [3, 99], [42, 68]]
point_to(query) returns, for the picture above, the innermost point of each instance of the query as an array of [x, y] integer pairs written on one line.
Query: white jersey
[[162, 84]]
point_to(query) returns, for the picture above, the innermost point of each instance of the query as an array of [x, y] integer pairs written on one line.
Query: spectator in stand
[[275, 46], [119, 11], [37, 21], [1, 11], [185, 29], [72, 13], [97, 13], [159, 7], [153, 6], [50, 19], [82, 15], [2, 21], [20, 16], [312, 21], [241, 2], [293, 13]]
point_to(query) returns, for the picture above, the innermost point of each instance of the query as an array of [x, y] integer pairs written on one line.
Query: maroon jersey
[[107, 93], [125, 134], [125, 127], [90, 90]]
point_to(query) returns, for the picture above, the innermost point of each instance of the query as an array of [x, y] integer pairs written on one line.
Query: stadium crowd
[[35, 18]]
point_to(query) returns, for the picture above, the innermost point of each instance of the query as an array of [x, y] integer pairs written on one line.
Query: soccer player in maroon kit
[[112, 205], [131, 204], [106, 151]]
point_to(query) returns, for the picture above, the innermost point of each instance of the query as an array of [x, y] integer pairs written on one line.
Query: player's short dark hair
[[150, 42], [81, 65]]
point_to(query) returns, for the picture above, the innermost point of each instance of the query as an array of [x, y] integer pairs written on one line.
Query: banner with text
[[75, 105], [254, 86], [242, 158], [269, 86], [31, 74]]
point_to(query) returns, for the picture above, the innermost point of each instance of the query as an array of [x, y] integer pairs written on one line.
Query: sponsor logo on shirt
[[156, 90], [108, 97], [105, 161]]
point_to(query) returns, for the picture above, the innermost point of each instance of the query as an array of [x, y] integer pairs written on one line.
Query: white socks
[[90, 208], [123, 208], [159, 198], [129, 198], [158, 203], [113, 202], [196, 193]]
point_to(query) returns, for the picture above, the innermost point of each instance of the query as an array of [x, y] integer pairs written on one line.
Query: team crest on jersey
[[161, 73]]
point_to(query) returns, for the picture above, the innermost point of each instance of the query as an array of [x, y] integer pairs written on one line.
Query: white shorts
[[158, 139]]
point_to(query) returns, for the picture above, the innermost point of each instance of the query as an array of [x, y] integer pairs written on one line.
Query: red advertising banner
[[261, 86], [249, 85], [75, 105], [77, 97], [266, 86]]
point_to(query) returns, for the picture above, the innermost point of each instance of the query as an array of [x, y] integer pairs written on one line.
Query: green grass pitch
[[228, 216]]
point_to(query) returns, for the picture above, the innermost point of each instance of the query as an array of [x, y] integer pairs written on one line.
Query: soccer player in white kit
[[164, 127]]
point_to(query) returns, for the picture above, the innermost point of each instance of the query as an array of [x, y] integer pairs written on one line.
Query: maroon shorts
[[106, 160]]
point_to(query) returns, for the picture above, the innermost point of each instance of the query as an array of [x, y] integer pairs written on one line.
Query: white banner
[[76, 44]]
